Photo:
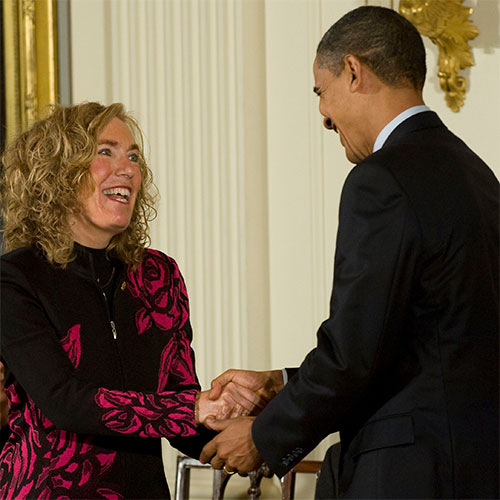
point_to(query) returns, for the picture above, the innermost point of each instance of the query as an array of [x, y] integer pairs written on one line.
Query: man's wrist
[[276, 381]]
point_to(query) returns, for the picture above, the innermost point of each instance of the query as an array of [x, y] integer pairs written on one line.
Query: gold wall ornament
[[27, 64], [447, 24], [30, 45]]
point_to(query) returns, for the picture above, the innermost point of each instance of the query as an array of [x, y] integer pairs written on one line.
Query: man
[[406, 366]]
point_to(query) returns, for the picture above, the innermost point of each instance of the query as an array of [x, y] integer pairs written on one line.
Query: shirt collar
[[386, 131]]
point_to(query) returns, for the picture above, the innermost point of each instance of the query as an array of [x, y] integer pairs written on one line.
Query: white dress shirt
[[386, 131]]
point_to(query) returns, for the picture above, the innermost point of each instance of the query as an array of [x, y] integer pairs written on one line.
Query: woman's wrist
[[197, 409]]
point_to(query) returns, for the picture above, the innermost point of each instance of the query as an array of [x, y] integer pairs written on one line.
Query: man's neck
[[388, 105]]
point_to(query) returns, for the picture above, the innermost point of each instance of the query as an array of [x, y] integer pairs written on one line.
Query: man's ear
[[353, 68]]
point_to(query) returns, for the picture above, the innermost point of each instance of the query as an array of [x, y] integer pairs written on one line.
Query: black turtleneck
[[102, 268]]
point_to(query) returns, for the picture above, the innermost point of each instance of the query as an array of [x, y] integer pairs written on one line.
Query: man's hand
[[233, 448], [250, 389], [225, 406]]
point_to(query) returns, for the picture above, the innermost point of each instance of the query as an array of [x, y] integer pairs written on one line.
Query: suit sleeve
[[44, 369], [375, 259]]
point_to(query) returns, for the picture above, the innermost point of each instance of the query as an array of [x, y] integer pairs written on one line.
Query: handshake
[[237, 393], [230, 407]]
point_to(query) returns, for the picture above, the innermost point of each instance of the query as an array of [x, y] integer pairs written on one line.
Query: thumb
[[219, 382], [215, 389], [216, 425]]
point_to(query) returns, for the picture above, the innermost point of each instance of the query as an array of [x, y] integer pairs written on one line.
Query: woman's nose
[[125, 167]]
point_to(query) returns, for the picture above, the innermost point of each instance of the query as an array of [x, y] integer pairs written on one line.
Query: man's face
[[339, 104]]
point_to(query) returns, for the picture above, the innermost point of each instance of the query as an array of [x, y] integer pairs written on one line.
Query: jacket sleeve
[[192, 445], [46, 378], [374, 262]]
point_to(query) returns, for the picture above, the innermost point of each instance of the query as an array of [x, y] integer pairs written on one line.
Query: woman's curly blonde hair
[[47, 167]]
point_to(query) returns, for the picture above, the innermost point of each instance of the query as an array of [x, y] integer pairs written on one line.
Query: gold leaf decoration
[[30, 55], [447, 24]]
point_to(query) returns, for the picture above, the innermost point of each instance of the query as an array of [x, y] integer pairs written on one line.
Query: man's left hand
[[233, 448]]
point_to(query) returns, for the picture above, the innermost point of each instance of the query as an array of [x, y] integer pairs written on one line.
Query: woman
[[95, 328], [4, 409]]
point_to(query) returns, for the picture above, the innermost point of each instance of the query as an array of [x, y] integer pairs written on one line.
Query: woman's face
[[115, 171]]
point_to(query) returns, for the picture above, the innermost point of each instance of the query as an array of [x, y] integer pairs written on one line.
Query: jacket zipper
[[113, 328], [114, 332], [111, 322]]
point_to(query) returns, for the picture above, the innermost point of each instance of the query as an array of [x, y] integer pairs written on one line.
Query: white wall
[[250, 181], [307, 165], [478, 122]]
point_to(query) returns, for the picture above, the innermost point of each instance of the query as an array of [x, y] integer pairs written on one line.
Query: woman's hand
[[225, 406], [250, 389]]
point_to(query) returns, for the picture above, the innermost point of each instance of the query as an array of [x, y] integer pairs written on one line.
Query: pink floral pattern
[[41, 461], [148, 415], [71, 468], [176, 360], [160, 287], [72, 345]]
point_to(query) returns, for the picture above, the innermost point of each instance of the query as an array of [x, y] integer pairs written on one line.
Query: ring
[[229, 472]]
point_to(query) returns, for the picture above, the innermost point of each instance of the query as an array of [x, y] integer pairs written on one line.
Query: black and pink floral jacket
[[92, 391]]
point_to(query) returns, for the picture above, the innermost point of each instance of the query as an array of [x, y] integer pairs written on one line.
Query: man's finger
[[219, 382], [244, 396], [216, 425], [215, 390], [209, 451], [217, 462]]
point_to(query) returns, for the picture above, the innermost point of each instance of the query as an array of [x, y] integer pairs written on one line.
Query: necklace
[[109, 280]]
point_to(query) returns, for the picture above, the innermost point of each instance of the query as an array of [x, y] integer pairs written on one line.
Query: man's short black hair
[[380, 38]]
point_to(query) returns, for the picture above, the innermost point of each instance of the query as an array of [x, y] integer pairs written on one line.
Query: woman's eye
[[133, 157], [104, 151]]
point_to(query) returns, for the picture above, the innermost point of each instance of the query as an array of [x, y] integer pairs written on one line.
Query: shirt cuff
[[285, 376]]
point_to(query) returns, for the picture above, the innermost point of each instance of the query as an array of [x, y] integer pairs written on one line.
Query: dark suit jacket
[[407, 364]]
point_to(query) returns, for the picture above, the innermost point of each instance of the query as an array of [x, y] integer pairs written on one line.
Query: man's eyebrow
[[316, 90]]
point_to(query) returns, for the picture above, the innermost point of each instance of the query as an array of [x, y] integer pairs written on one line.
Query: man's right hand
[[251, 389]]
